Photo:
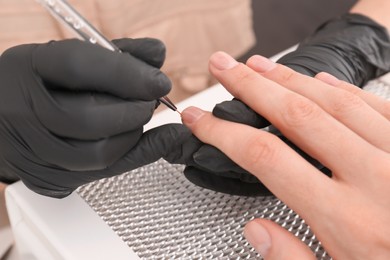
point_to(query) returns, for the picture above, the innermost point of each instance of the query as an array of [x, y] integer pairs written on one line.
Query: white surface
[[46, 228]]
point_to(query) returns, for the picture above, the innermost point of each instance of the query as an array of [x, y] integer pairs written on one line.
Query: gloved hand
[[353, 48], [72, 112]]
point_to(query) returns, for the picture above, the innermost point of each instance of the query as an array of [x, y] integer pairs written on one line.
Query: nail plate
[[261, 64], [222, 61], [191, 115], [258, 237]]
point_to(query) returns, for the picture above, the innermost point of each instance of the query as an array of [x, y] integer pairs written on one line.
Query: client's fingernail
[[258, 237], [222, 61], [260, 63], [328, 78], [191, 115]]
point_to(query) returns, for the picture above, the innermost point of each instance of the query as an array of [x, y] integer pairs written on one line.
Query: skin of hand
[[342, 126], [352, 47]]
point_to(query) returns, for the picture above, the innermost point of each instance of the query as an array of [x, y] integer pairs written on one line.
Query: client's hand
[[73, 112], [343, 127], [352, 47]]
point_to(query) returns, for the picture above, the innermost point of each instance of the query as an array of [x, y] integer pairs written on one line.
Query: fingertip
[[328, 78], [222, 61], [161, 85], [258, 236], [272, 241], [165, 83], [191, 115], [260, 64], [150, 50]]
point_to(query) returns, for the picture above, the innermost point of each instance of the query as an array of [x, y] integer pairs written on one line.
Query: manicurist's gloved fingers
[[273, 242], [91, 116], [151, 51], [80, 155], [74, 65], [215, 161], [156, 143], [225, 184], [51, 180], [236, 111]]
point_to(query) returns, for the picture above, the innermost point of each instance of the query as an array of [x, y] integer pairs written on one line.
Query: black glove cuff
[[352, 47]]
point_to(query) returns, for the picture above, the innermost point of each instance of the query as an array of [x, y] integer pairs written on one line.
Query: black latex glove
[[72, 112], [353, 48]]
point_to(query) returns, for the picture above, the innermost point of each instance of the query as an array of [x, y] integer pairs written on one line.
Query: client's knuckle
[[243, 77], [260, 151], [299, 110], [287, 76], [345, 102], [386, 110], [352, 89]]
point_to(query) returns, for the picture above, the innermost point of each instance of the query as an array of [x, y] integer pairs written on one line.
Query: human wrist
[[352, 47], [377, 10]]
